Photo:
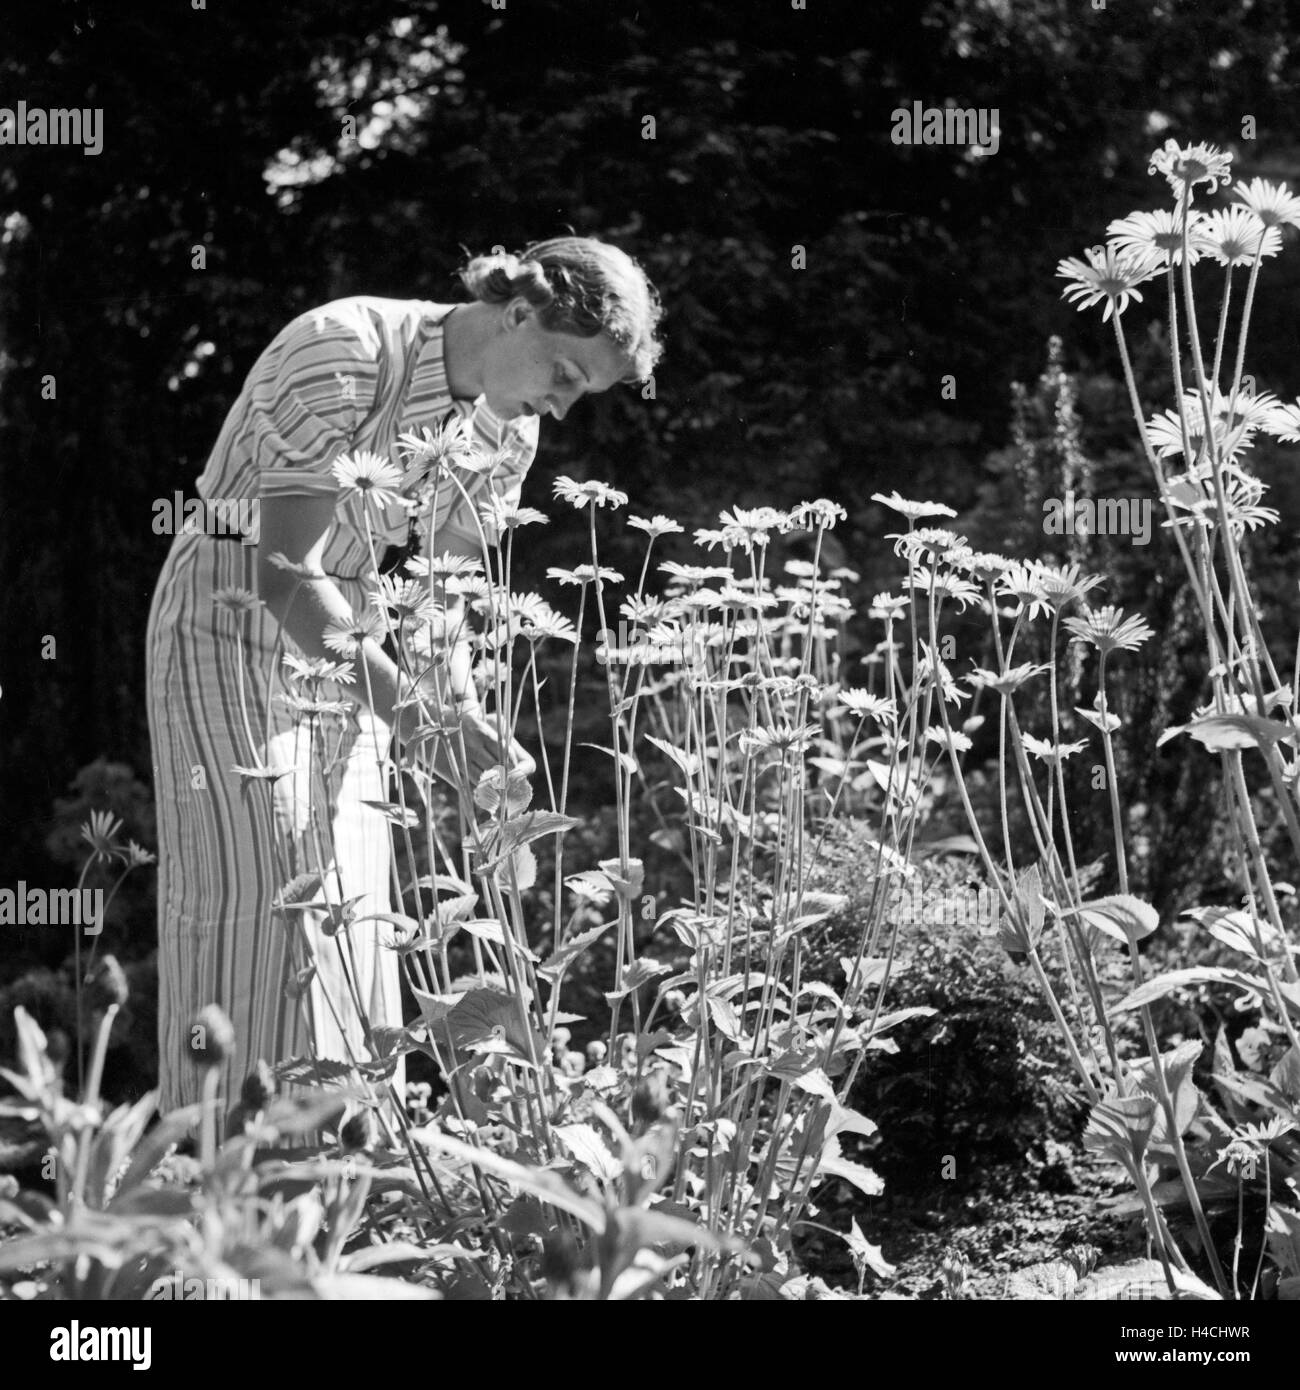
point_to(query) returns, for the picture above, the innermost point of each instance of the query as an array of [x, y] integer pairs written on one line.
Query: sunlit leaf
[[1165, 984], [865, 1255], [1120, 915], [564, 955]]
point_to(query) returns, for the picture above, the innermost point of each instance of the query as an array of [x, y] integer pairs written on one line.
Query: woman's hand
[[440, 748], [483, 748]]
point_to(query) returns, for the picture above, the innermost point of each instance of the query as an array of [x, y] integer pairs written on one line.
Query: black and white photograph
[[650, 652]]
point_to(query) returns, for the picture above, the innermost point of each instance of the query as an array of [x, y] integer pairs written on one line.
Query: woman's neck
[[466, 332]]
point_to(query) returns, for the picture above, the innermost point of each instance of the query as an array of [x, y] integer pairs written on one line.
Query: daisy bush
[[678, 1151]]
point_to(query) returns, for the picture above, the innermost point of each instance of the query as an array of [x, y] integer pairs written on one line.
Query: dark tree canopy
[[229, 196]]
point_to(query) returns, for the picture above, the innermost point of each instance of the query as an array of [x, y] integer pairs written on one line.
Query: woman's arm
[[297, 526]]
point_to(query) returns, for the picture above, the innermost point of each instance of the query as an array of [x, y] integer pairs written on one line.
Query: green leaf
[[395, 814], [834, 1165], [517, 789], [887, 1021], [1121, 1126], [629, 885], [1220, 732], [1177, 1068], [546, 1187], [689, 763], [489, 929], [299, 1070], [800, 1068], [587, 1147], [1119, 915], [370, 1288], [865, 1255], [1021, 933], [1182, 979], [591, 885], [522, 830], [640, 972], [519, 867], [724, 1017], [559, 961]]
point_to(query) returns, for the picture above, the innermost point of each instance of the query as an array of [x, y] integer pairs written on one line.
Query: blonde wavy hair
[[581, 286]]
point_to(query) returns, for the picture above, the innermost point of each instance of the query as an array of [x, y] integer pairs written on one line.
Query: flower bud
[[259, 1088], [651, 1099], [596, 1052], [674, 1001], [58, 1047], [107, 985], [561, 1259], [358, 1131], [212, 1036]]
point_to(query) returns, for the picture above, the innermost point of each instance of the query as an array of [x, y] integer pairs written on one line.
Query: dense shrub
[[985, 1079]]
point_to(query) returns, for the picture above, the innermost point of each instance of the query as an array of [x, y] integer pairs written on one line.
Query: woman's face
[[530, 371]]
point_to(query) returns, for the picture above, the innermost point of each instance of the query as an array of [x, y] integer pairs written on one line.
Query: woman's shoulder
[[367, 315]]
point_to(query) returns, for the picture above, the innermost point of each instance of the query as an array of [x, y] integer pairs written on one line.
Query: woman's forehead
[[603, 360]]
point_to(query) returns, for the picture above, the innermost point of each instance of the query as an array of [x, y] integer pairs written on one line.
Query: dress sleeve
[[310, 392], [513, 446]]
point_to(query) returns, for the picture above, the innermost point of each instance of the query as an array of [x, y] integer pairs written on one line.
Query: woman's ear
[[515, 313]]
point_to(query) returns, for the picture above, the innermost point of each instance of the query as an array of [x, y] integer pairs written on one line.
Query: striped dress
[[351, 375]]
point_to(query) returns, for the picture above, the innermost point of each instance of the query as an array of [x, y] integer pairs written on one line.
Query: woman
[[570, 317]]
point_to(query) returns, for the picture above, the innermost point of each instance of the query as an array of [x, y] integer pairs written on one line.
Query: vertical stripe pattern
[[351, 375]]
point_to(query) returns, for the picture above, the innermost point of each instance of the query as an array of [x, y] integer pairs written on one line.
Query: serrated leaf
[[296, 1070], [559, 960], [689, 763], [497, 785], [485, 1016], [455, 909], [523, 830], [640, 972], [521, 865]]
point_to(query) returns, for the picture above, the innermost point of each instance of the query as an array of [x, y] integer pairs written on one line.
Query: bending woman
[[570, 317]]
